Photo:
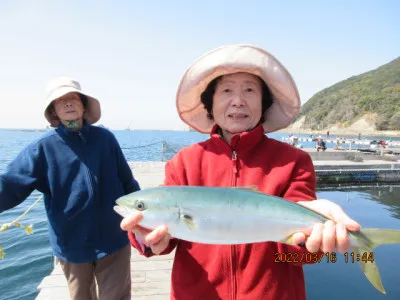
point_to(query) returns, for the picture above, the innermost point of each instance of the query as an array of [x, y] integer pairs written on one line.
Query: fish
[[241, 215]]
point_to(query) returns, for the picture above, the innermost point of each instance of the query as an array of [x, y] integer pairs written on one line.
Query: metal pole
[[162, 150]]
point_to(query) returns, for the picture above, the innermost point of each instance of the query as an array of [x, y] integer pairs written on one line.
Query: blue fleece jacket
[[81, 174]]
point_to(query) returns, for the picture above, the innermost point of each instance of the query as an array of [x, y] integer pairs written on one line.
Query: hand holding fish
[[156, 239], [333, 233]]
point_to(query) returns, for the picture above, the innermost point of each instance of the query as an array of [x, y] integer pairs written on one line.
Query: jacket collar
[[244, 141], [68, 132]]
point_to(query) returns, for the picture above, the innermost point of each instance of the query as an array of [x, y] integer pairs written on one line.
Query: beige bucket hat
[[61, 86], [232, 59]]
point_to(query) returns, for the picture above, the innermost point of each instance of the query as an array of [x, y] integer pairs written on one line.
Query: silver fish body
[[214, 215], [220, 215]]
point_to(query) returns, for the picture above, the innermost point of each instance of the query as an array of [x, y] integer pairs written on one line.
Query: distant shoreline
[[288, 130], [388, 133], [26, 130]]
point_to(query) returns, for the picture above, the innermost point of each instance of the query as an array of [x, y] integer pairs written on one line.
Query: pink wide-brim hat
[[61, 86], [234, 59]]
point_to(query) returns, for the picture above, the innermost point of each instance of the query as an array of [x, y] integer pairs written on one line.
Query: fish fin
[[379, 236], [288, 240], [188, 220], [371, 271], [252, 188], [368, 239]]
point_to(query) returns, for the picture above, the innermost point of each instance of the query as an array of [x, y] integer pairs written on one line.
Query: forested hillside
[[374, 95]]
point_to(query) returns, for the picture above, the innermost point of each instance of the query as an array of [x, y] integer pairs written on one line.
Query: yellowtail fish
[[214, 215]]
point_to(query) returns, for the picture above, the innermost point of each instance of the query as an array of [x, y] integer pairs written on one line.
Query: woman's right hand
[[157, 239]]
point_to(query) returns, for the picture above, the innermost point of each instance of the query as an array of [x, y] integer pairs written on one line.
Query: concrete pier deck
[[151, 277]]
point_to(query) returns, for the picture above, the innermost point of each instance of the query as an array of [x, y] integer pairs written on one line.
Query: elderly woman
[[81, 170], [237, 94]]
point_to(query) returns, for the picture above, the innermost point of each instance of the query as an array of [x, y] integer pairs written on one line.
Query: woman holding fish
[[237, 94]]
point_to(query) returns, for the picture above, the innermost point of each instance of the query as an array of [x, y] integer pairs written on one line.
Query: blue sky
[[131, 55]]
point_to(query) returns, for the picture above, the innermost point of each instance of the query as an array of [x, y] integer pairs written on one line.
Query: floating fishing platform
[[331, 140], [151, 276]]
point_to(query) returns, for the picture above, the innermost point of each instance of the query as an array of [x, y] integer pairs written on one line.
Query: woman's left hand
[[331, 235]]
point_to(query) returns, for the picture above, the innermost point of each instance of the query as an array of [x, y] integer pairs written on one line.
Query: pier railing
[[157, 151], [164, 151], [333, 167]]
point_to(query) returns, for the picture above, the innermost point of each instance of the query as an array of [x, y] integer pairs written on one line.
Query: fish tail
[[367, 240]]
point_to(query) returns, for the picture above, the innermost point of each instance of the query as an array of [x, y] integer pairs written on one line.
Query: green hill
[[374, 94]]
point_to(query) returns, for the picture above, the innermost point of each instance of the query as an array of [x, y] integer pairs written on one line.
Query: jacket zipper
[[234, 167], [233, 247]]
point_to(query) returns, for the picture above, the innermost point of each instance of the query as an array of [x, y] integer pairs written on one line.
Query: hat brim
[[234, 59], [92, 112]]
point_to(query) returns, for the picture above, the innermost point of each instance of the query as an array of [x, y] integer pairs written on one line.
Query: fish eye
[[140, 205]]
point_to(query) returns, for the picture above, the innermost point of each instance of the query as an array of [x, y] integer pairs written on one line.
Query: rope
[[29, 208], [168, 150], [28, 229], [143, 146]]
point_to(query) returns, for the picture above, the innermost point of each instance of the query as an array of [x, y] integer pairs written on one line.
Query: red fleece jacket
[[239, 271]]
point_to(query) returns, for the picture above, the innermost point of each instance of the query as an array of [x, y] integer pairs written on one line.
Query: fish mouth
[[122, 211], [119, 201]]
